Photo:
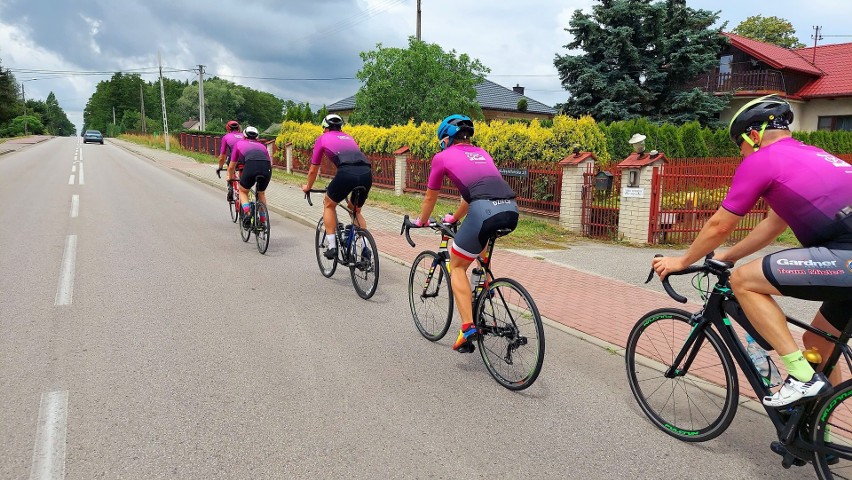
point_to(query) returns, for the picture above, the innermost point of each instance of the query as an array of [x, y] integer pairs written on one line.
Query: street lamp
[[24, 95]]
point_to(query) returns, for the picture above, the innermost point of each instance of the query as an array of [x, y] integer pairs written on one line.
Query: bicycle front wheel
[[690, 405], [364, 267], [261, 228], [832, 430], [326, 266], [234, 208], [511, 334], [430, 296]]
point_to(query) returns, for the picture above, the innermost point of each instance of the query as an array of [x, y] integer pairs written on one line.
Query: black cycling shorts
[[483, 219], [254, 169], [346, 179], [821, 273]]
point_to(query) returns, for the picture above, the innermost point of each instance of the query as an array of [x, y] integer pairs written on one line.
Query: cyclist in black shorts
[[353, 170], [487, 200], [255, 161], [810, 191]]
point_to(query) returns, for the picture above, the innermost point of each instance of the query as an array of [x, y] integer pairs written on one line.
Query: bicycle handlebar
[[715, 267], [407, 225], [219, 172], [309, 192]]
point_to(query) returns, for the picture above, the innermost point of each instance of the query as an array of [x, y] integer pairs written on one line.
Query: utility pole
[[113, 116], [142, 101], [816, 36], [24, 95], [163, 103], [418, 19], [202, 119]]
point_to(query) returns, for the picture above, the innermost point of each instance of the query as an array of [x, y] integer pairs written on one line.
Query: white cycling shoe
[[794, 391]]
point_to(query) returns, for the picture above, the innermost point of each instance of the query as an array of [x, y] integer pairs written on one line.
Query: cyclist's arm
[[717, 229], [763, 234], [461, 211], [221, 160], [428, 205], [312, 175]]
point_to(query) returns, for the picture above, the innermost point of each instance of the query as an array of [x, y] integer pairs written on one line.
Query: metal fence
[[688, 191], [601, 202]]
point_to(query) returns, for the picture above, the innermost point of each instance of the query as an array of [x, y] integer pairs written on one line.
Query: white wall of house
[[823, 107]]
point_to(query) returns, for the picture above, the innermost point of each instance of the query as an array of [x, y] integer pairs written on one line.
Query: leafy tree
[[774, 30], [421, 82], [637, 55], [693, 141], [321, 114], [29, 123], [10, 106]]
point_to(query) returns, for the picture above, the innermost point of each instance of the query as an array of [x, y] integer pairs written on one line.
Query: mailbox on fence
[[603, 181]]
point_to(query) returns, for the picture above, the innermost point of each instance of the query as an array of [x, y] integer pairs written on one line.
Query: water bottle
[[765, 366], [475, 277]]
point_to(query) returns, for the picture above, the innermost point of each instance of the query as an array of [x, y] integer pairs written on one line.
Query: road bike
[[233, 203], [356, 248], [676, 361], [511, 333], [259, 219]]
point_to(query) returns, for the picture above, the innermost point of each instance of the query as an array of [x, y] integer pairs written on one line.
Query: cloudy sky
[[283, 46]]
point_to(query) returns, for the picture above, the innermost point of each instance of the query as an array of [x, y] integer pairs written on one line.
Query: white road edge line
[[49, 451], [81, 174], [71, 180], [75, 206], [65, 289]]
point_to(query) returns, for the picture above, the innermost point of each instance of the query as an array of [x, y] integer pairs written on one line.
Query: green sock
[[797, 366]]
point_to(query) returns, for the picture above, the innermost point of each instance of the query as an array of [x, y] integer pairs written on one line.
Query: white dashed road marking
[[75, 206], [80, 178], [71, 180], [49, 451], [65, 290]]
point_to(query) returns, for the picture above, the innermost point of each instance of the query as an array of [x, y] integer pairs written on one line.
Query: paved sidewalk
[[578, 299]]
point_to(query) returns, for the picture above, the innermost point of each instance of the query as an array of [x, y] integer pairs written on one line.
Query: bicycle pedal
[[789, 459]]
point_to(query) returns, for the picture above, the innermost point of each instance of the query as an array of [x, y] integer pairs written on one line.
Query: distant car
[[93, 136]]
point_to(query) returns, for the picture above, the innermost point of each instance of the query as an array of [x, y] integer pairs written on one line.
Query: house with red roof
[[817, 81]]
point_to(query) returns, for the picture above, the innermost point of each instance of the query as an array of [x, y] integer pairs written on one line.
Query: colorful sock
[[246, 209], [797, 366]]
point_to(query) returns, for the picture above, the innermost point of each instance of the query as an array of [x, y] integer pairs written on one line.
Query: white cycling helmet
[[250, 132], [332, 122]]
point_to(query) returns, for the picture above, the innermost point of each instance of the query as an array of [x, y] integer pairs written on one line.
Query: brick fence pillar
[[288, 155], [571, 200], [400, 170], [635, 205]]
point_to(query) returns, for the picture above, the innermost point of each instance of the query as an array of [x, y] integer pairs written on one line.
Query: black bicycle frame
[[713, 314]]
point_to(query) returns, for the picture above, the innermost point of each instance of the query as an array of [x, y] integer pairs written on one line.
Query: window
[[725, 69], [838, 122]]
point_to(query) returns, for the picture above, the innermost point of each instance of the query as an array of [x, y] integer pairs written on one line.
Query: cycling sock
[[247, 209], [797, 366], [330, 237]]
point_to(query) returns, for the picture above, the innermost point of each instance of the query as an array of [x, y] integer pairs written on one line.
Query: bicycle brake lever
[[308, 198], [219, 172], [651, 274]]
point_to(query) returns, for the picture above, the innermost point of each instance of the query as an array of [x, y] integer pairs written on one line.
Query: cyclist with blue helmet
[[487, 201]]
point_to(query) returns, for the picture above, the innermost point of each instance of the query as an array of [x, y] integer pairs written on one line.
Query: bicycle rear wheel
[[326, 266], [690, 406], [245, 233], [261, 228], [430, 296], [364, 265], [511, 334], [832, 428]]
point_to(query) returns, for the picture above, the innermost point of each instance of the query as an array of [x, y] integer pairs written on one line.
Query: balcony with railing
[[732, 82]]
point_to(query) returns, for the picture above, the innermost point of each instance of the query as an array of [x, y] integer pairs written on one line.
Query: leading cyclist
[[253, 157], [228, 140], [809, 190], [353, 170], [487, 200]]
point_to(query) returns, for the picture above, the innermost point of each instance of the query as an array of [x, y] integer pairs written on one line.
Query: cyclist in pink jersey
[[487, 202], [253, 158], [353, 170], [228, 140], [808, 190]]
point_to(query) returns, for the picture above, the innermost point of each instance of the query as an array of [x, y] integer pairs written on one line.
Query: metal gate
[[601, 197]]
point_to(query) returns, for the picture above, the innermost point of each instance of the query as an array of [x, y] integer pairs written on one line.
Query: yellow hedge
[[506, 142]]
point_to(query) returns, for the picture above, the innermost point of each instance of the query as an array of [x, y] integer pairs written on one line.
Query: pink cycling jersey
[[472, 171], [249, 151], [228, 142], [804, 185], [340, 148]]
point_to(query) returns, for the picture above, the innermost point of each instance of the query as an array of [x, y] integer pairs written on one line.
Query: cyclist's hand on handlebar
[[306, 188], [449, 218], [417, 222], [663, 266]]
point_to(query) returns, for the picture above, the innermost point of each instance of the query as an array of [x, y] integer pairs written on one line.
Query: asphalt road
[[142, 339]]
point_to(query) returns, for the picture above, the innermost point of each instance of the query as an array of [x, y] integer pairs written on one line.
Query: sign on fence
[[514, 172], [632, 192]]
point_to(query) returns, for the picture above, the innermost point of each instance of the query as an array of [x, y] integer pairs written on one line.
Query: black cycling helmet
[[250, 132], [767, 112], [232, 126], [332, 122]]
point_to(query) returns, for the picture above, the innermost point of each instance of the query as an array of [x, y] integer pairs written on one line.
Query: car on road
[[93, 136]]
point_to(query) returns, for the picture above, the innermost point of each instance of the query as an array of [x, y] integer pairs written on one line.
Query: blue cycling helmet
[[451, 126]]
